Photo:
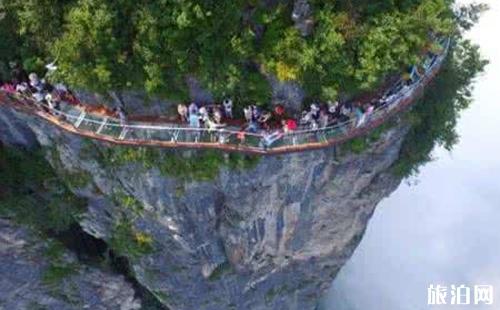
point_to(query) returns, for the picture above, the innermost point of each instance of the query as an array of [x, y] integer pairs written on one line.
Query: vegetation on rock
[[231, 47], [200, 166], [129, 242], [33, 195], [434, 119]]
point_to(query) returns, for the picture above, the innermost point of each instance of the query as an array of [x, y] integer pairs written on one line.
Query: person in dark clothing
[[122, 115], [48, 88]]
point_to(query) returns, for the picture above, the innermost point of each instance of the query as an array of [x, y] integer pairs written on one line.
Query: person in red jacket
[[289, 125]]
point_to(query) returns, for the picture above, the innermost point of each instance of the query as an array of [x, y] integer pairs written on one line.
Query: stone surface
[[25, 265], [133, 102], [287, 93], [14, 131], [270, 237], [302, 16]]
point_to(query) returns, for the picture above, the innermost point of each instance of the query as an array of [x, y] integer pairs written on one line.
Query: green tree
[[397, 40], [435, 117], [94, 50], [230, 47]]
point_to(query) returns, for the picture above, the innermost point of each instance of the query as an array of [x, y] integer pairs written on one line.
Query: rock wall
[[302, 16], [269, 237], [14, 131], [31, 279]]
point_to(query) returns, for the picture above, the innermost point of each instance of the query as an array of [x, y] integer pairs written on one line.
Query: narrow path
[[98, 125]]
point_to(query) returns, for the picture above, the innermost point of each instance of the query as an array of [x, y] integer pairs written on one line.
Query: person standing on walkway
[[193, 109], [228, 107], [122, 116], [183, 112]]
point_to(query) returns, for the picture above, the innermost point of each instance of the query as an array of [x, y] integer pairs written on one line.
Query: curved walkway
[[98, 126]]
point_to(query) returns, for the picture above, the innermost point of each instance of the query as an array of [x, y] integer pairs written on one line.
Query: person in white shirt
[[228, 107]]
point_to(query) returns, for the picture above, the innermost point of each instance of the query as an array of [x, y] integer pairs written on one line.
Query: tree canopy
[[229, 46], [435, 118]]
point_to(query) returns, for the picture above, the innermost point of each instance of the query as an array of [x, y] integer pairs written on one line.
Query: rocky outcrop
[[39, 274], [303, 17], [287, 93], [14, 131], [272, 236], [133, 102]]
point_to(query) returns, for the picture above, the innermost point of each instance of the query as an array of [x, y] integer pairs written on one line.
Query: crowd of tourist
[[274, 124], [43, 94], [270, 125]]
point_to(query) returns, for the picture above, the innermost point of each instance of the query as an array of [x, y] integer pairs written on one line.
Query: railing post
[[175, 136], [101, 127], [80, 119], [123, 133], [323, 136], [222, 138], [335, 156]]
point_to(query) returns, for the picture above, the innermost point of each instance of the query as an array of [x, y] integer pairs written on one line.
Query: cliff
[[211, 231], [32, 272]]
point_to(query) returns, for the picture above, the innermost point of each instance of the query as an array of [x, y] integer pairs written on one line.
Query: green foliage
[[54, 274], [205, 165], [127, 241], [28, 29], [10, 43], [118, 156], [59, 267], [357, 145], [201, 166], [32, 195], [250, 87], [397, 40], [360, 144], [435, 117], [77, 179], [92, 51], [229, 46], [128, 202], [242, 162]]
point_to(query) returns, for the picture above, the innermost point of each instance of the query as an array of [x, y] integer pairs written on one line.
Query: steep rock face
[[30, 280], [270, 237], [14, 131], [287, 93]]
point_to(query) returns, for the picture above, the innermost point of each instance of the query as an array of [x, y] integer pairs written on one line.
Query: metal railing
[[103, 127]]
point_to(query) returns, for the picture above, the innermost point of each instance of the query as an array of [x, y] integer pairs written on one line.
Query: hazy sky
[[445, 229]]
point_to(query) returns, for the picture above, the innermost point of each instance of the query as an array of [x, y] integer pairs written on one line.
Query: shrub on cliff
[[229, 46], [31, 193], [434, 119]]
